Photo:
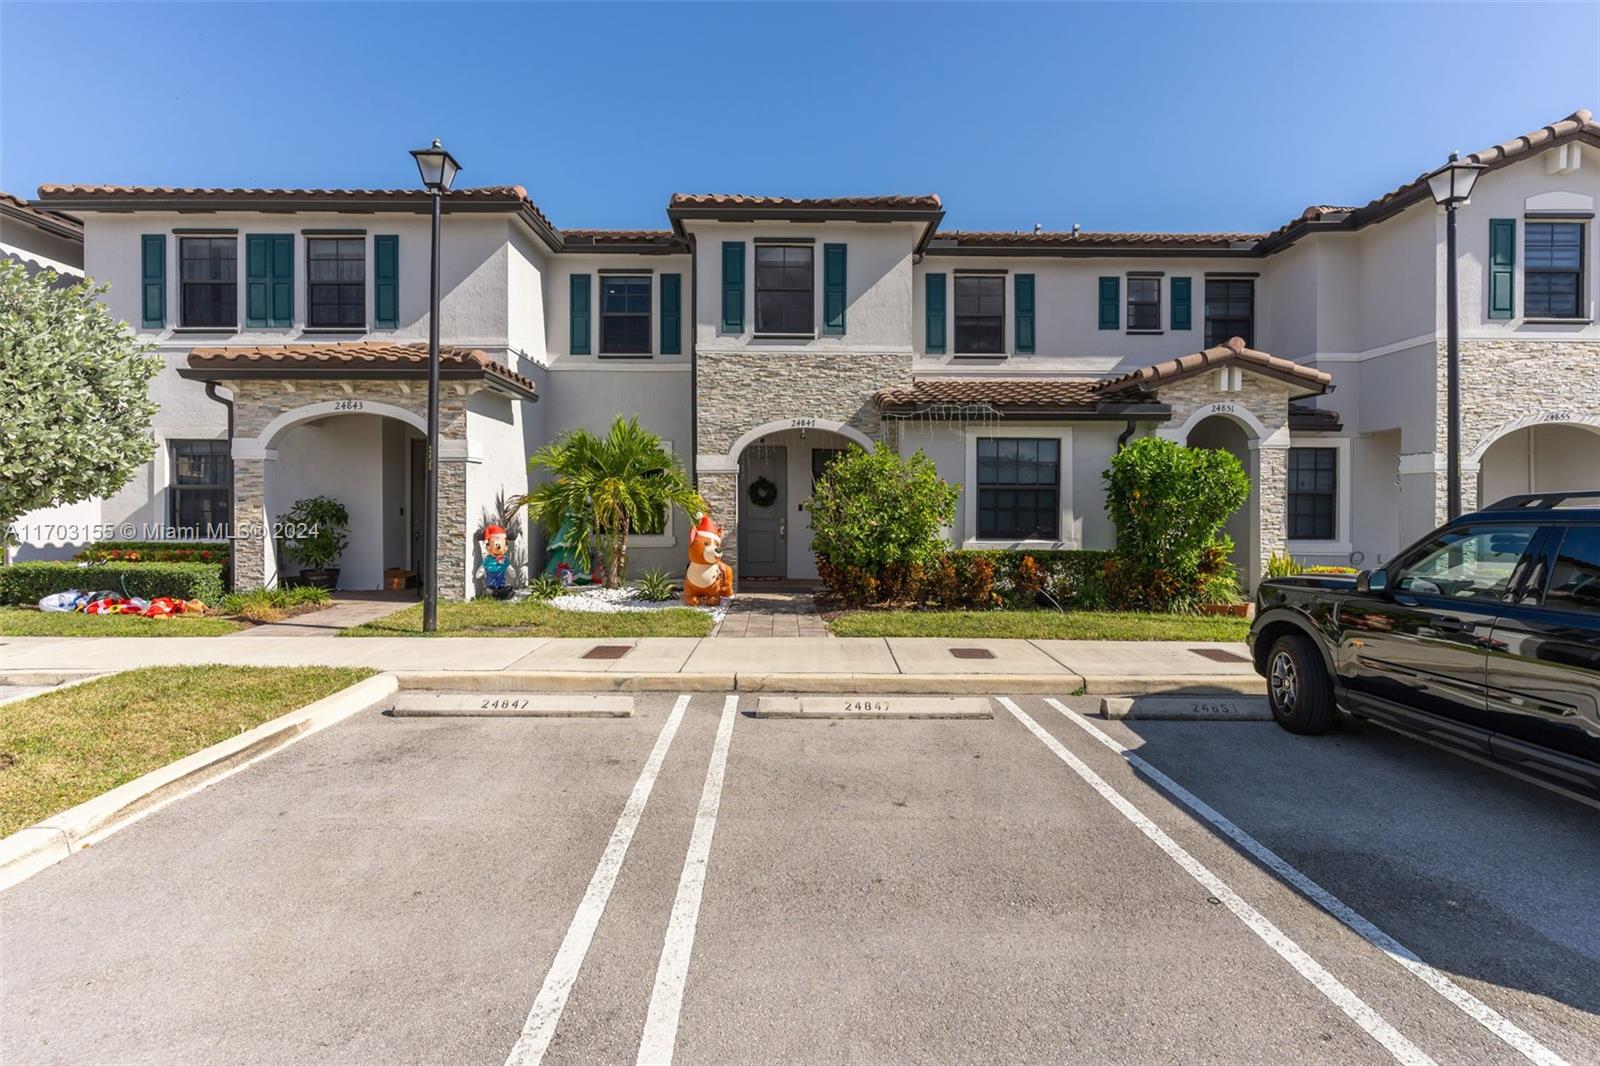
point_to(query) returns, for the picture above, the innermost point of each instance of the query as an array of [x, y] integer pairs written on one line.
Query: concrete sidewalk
[[817, 664]]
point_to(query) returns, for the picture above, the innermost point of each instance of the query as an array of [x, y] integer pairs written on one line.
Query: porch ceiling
[[354, 359]]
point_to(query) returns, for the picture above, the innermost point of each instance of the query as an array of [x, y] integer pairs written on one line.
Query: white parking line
[[666, 1001], [1471, 1005], [552, 999], [1353, 1006]]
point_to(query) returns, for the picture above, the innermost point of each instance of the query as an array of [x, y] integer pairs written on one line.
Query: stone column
[[721, 491], [1269, 508], [454, 549], [252, 543]]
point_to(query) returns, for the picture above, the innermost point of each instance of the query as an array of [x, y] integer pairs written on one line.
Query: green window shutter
[[1110, 302], [833, 266], [733, 286], [153, 269], [1502, 267], [671, 314], [580, 315], [934, 342], [386, 281], [1181, 315], [1024, 323], [269, 280]]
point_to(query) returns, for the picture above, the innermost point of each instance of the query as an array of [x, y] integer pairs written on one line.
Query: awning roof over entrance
[[354, 359], [1133, 393]]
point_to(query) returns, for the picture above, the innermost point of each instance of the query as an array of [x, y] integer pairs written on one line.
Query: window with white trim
[[1313, 493], [1019, 488], [1552, 272]]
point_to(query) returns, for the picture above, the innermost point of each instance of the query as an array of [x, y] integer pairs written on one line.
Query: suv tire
[[1299, 690]]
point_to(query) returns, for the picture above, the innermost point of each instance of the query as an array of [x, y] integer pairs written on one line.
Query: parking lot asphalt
[[698, 885]]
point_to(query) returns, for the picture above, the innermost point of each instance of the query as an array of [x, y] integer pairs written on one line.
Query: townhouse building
[[760, 335]]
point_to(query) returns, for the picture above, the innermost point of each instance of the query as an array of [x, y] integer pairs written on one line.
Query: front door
[[763, 533], [1421, 645]]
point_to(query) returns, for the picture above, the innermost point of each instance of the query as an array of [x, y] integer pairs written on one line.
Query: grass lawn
[[31, 622], [61, 748], [530, 618], [1044, 625]]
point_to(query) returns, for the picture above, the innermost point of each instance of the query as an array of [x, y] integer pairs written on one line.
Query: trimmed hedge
[[157, 551], [978, 580], [28, 583], [1072, 578]]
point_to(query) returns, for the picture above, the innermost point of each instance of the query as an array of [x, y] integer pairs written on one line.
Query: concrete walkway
[[772, 614], [817, 664], [348, 609]]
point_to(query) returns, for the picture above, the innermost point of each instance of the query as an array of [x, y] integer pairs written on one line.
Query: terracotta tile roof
[[1150, 378], [643, 239], [1023, 239], [1041, 394], [379, 358], [19, 208], [1306, 417], [930, 202]]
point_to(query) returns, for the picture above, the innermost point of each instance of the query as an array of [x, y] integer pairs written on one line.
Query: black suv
[[1484, 636]]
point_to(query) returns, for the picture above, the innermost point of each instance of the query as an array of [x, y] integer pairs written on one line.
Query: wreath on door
[[762, 492]]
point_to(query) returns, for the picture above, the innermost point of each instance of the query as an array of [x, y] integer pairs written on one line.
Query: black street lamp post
[[438, 168], [1451, 184]]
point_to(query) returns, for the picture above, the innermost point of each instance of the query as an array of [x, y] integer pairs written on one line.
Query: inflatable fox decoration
[[708, 578]]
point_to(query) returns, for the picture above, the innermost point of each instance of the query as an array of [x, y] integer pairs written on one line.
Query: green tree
[[878, 509], [609, 486], [75, 404]]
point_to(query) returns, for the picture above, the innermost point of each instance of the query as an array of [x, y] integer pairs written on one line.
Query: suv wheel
[[1298, 688]]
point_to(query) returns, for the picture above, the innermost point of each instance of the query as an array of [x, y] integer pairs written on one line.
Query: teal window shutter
[[386, 281], [1110, 302], [1502, 267], [733, 286], [934, 342], [833, 267], [1024, 323], [269, 280], [580, 315], [153, 270], [671, 314], [1182, 317]]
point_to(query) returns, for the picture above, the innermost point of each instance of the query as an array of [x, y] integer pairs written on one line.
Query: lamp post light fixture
[[1451, 184], [438, 169]]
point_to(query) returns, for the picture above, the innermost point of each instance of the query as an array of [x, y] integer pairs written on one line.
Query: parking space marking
[[552, 999], [666, 1000], [1330, 986], [1471, 1005]]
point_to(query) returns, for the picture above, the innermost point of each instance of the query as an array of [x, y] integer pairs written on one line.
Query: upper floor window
[[336, 282], [1553, 269], [202, 473], [980, 314], [1230, 310], [1313, 498], [784, 282], [1019, 488], [625, 315], [1144, 303], [209, 280]]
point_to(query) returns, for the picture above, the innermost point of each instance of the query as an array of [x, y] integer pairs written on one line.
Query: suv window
[[1467, 563], [1575, 577]]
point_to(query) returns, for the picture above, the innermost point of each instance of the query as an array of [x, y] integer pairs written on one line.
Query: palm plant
[[608, 486]]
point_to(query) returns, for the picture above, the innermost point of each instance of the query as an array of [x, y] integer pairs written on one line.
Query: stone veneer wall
[[257, 402], [745, 389], [1502, 381]]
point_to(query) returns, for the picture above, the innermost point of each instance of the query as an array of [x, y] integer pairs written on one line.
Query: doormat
[[752, 579]]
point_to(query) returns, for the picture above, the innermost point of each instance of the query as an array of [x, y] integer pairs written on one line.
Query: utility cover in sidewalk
[[1220, 655], [418, 704], [845, 706], [972, 653], [608, 651]]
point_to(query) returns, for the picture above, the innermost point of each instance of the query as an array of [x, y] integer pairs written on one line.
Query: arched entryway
[[1543, 457], [776, 472], [1228, 434]]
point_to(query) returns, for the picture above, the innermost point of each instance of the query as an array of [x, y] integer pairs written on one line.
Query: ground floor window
[[1313, 493], [820, 458], [202, 474], [1019, 488]]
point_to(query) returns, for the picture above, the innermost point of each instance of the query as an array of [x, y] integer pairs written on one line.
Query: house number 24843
[[348, 405]]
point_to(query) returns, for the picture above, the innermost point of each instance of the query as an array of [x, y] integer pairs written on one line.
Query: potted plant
[[315, 537]]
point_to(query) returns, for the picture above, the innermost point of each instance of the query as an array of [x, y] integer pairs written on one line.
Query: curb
[[559, 681], [1200, 685], [1064, 683], [1196, 708], [50, 677], [27, 851]]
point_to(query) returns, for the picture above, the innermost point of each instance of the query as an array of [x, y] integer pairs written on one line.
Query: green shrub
[[878, 509], [1282, 564], [656, 586], [1168, 503], [1071, 577], [30, 582], [269, 605], [546, 587], [318, 527], [157, 551]]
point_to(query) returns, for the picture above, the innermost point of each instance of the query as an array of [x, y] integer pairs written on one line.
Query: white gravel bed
[[597, 600]]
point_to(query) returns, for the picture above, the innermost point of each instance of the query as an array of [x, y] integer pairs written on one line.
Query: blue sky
[[1131, 116]]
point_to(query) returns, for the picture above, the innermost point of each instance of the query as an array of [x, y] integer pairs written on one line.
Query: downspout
[[233, 514], [1122, 438]]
